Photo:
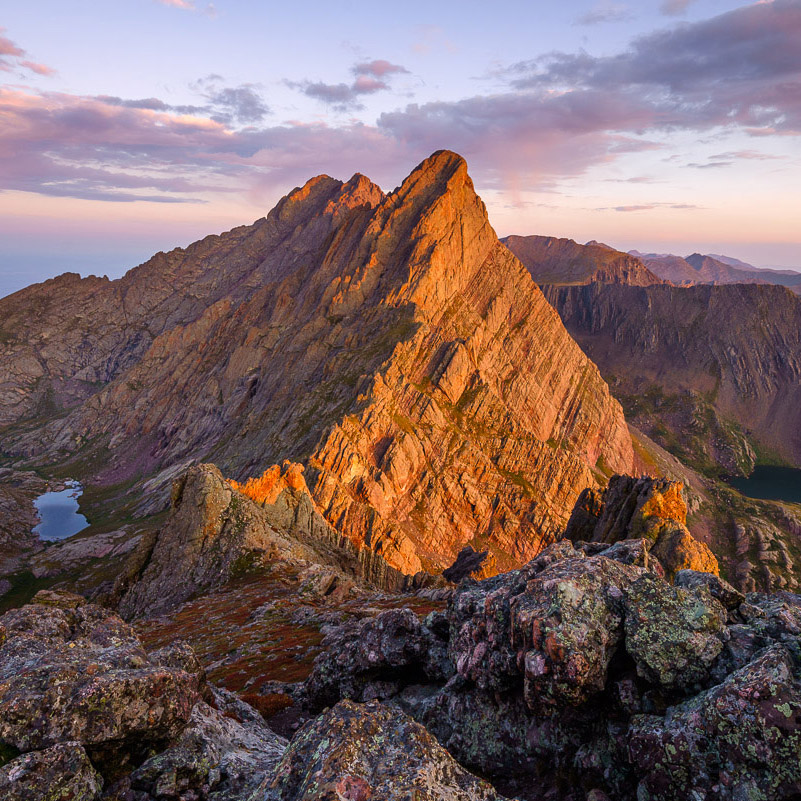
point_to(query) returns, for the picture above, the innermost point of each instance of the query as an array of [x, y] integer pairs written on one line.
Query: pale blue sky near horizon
[[141, 125]]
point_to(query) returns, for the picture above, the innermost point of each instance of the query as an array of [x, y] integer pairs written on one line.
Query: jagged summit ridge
[[389, 343]]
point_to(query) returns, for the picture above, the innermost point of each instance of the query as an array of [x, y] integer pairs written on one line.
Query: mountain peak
[[440, 169]]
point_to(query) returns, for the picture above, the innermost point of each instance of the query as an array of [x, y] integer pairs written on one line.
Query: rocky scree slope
[[88, 714], [390, 344], [564, 262]]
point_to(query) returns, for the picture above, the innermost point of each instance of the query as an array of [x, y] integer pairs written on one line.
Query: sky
[[133, 126]]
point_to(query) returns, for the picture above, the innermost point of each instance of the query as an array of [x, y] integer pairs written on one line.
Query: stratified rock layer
[[390, 343]]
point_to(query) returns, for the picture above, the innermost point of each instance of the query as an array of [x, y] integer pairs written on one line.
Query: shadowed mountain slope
[[389, 343], [562, 261], [736, 348]]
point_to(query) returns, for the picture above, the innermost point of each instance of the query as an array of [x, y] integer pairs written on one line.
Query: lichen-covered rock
[[357, 752], [72, 672], [555, 625], [59, 773], [674, 635], [739, 740], [376, 657], [635, 552], [717, 587], [223, 754]]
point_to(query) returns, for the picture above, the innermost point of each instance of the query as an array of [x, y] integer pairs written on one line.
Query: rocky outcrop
[[584, 675], [389, 343], [647, 508], [357, 752], [469, 562], [84, 710], [564, 262], [215, 531]]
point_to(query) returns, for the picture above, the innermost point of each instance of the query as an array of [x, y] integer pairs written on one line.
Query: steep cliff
[[562, 261], [709, 360], [392, 345]]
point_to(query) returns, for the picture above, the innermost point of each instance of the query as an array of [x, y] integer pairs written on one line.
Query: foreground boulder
[[357, 752], [59, 772], [375, 658], [77, 673], [742, 737], [84, 708], [228, 749]]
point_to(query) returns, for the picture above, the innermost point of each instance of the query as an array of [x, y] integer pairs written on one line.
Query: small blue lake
[[59, 513], [771, 483]]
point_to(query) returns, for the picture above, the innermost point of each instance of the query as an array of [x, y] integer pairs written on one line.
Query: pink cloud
[[39, 69], [184, 4], [12, 55]]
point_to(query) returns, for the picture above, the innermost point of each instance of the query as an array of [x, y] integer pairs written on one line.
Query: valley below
[[362, 502]]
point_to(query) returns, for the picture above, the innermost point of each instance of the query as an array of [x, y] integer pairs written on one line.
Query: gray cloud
[[230, 105], [604, 13], [370, 77]]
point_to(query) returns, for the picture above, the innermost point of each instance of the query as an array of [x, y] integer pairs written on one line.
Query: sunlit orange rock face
[[266, 488], [397, 350]]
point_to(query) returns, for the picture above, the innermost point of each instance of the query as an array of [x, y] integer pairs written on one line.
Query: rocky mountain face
[[389, 343], [214, 531], [717, 361], [699, 269], [565, 262]]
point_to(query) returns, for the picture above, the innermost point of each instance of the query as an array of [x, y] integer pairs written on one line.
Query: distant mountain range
[[714, 269]]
